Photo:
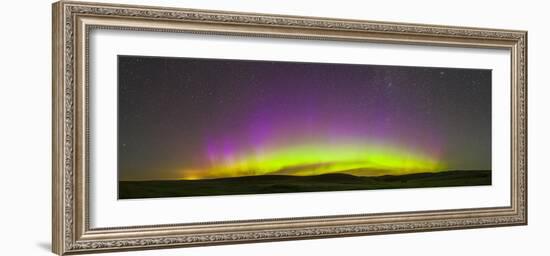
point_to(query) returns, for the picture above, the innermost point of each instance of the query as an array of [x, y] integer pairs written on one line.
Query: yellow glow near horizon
[[316, 159]]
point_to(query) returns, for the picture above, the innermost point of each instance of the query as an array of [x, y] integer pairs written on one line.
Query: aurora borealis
[[189, 118]]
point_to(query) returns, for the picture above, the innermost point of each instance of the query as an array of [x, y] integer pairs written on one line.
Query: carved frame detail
[[72, 22]]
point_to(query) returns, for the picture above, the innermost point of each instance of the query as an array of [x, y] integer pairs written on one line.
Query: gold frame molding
[[72, 22]]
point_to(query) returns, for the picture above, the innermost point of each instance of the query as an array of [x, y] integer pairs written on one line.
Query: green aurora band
[[359, 159]]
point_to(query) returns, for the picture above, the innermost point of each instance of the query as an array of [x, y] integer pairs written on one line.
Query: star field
[[203, 118]]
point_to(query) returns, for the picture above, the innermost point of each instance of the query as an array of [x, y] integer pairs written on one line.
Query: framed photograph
[[178, 127]]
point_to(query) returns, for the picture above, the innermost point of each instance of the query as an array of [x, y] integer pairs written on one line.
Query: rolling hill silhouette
[[264, 184]]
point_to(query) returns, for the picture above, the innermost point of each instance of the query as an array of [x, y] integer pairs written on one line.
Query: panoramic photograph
[[213, 127]]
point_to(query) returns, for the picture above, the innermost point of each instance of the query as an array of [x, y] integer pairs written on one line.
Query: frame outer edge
[[57, 130], [525, 107], [65, 169]]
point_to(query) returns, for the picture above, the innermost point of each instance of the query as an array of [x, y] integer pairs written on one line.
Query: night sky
[[188, 118]]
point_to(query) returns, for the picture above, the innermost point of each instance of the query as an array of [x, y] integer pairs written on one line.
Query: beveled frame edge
[[73, 20]]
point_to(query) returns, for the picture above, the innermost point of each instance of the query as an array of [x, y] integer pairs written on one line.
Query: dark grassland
[[265, 184]]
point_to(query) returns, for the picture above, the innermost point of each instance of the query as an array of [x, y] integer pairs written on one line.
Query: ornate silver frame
[[72, 22]]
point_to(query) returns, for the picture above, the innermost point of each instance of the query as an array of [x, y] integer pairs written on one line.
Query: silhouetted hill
[[263, 184]]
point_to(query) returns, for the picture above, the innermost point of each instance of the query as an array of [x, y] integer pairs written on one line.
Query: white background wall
[[25, 115]]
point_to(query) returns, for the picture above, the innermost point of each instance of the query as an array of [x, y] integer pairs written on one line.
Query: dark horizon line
[[287, 175]]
